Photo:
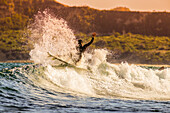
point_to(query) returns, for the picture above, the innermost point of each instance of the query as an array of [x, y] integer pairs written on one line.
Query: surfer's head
[[80, 41]]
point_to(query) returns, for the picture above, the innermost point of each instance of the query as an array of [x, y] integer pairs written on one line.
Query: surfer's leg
[[79, 58]]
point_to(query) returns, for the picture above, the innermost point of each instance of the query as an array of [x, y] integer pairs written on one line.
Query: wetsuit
[[82, 49]]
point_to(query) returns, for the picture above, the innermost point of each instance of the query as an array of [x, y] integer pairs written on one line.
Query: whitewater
[[93, 85]]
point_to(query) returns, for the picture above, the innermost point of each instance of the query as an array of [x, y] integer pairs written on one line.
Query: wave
[[93, 76], [104, 80]]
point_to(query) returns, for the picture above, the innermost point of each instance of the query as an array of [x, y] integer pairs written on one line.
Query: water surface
[[28, 88]]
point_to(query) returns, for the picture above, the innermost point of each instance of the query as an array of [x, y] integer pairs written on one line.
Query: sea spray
[[53, 35]]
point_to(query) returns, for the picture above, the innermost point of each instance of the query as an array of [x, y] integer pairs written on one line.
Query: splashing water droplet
[[51, 34]]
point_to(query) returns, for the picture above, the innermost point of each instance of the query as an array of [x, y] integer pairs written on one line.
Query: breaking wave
[[93, 76]]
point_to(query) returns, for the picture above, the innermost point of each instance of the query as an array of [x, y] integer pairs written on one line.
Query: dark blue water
[[21, 91]]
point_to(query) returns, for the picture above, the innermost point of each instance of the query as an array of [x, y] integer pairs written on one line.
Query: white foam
[[131, 81], [69, 79]]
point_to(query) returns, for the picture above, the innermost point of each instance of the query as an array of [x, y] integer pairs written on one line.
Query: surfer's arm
[[88, 44]]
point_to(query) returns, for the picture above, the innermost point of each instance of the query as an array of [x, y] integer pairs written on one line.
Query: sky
[[133, 5]]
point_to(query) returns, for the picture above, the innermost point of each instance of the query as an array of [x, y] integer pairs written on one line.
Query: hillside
[[86, 20], [15, 15]]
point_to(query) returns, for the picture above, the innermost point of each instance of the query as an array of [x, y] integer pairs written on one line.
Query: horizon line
[[131, 10]]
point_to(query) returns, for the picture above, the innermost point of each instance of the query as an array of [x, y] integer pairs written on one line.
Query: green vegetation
[[13, 40], [11, 32], [134, 47], [14, 45], [131, 42]]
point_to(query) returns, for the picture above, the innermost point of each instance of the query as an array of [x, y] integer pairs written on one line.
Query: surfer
[[81, 49]]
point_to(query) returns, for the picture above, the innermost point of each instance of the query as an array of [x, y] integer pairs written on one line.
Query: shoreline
[[30, 61], [17, 61]]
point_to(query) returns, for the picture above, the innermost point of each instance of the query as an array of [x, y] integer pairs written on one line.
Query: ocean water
[[93, 85], [34, 88]]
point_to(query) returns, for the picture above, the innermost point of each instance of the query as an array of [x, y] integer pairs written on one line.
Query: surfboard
[[65, 63], [56, 58]]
